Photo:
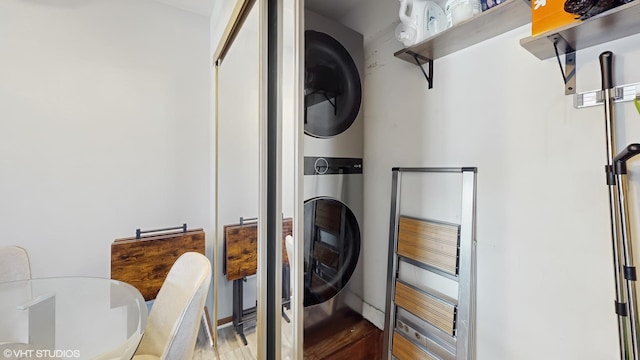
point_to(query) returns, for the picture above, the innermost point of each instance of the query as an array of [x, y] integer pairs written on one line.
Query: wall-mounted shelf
[[611, 25], [495, 21]]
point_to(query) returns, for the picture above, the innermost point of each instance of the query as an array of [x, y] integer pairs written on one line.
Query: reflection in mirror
[[238, 192], [238, 165], [331, 248], [332, 91], [291, 136]]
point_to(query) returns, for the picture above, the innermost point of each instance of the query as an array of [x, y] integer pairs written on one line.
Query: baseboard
[[224, 322], [375, 316], [369, 312]]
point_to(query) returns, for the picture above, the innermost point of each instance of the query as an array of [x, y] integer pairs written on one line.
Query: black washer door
[[331, 246], [332, 90]]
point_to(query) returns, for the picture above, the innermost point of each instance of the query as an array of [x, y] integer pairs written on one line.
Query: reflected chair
[[174, 320], [288, 245], [14, 264]]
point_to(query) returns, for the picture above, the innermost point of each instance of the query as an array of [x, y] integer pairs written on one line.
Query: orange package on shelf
[[547, 15]]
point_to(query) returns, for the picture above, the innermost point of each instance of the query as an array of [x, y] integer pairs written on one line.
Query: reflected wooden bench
[[241, 261]]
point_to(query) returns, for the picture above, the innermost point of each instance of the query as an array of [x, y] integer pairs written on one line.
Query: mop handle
[[625, 235], [621, 305], [605, 67], [625, 155]]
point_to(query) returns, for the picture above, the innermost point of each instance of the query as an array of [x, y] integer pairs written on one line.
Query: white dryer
[[333, 121]]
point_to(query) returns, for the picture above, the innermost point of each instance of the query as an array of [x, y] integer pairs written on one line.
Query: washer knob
[[321, 166]]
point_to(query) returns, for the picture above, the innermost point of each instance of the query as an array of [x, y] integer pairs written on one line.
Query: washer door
[[332, 90], [331, 246]]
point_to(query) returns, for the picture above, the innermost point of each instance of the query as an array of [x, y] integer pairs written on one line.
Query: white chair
[[14, 264], [288, 245], [174, 320]]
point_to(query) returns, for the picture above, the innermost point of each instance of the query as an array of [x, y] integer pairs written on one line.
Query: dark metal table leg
[[244, 339], [238, 321], [286, 318], [286, 286]]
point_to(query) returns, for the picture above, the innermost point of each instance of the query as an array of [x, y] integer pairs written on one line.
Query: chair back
[[14, 264], [174, 320]]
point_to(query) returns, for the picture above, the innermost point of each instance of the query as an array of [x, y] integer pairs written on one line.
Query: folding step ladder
[[430, 308]]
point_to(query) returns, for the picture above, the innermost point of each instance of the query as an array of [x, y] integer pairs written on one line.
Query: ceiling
[[333, 9]]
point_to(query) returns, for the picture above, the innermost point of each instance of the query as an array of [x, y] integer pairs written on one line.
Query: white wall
[[545, 278], [104, 127]]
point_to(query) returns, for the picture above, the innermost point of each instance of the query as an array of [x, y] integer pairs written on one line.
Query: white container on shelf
[[435, 19], [406, 34], [420, 19], [412, 17], [460, 10]]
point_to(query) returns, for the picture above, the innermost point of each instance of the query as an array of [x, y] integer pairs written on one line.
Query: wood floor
[[230, 346], [353, 339]]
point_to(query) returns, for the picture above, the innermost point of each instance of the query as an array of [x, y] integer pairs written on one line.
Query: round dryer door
[[331, 246], [332, 90]]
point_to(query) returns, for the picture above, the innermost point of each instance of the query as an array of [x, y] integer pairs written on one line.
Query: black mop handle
[[630, 151], [625, 155], [606, 59], [621, 304]]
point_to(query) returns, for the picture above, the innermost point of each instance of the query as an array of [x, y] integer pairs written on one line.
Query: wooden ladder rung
[[432, 243], [429, 308], [404, 349]]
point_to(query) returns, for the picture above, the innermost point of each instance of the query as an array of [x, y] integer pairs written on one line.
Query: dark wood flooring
[[352, 338]]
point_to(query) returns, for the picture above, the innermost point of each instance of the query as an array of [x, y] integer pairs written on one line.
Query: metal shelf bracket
[[421, 61], [569, 69], [622, 93]]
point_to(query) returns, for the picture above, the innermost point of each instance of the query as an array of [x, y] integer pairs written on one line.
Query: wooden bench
[[145, 261]]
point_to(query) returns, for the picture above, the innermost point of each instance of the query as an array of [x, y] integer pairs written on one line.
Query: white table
[[70, 318]]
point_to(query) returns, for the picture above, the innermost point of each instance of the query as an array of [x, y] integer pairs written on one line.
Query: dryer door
[[332, 89], [332, 247]]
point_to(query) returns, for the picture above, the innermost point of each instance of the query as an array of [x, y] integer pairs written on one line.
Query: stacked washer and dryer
[[333, 150]]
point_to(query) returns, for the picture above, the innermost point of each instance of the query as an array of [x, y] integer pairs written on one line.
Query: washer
[[333, 121], [332, 238]]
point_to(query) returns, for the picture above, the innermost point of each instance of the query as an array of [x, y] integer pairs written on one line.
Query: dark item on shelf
[[488, 4], [588, 8]]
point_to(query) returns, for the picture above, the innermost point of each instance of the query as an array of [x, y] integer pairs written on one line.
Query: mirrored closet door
[[258, 309]]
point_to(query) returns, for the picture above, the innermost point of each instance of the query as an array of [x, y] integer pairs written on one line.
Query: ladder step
[[427, 307], [426, 336], [404, 349], [429, 242], [431, 276]]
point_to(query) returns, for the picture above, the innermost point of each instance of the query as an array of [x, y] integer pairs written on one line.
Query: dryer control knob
[[321, 166]]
